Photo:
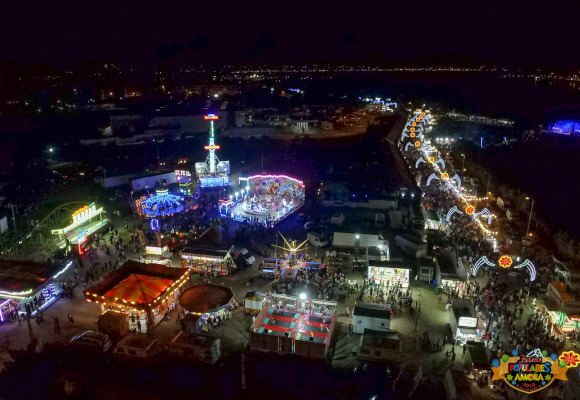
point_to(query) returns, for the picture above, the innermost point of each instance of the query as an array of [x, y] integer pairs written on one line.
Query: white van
[[337, 219], [136, 345], [316, 239], [91, 339]]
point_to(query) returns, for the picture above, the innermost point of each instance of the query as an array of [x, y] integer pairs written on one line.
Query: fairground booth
[[203, 302], [157, 255], [207, 260], [465, 325], [563, 309], [446, 271], [137, 287], [78, 230], [264, 198], [27, 287], [386, 273], [294, 325]]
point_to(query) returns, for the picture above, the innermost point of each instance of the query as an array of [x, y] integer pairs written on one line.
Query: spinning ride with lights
[[161, 204]]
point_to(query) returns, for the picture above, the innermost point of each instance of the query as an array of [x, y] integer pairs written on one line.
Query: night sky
[[255, 31]]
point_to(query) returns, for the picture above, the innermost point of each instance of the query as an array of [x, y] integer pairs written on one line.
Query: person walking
[[70, 319], [464, 350], [56, 326]]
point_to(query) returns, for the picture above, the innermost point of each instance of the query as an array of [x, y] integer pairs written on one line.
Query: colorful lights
[[211, 117], [444, 176], [530, 267], [412, 134], [418, 143], [485, 212], [483, 260], [413, 124], [571, 358], [469, 210], [452, 210], [505, 261], [154, 224], [412, 129], [457, 180], [214, 147], [431, 177], [419, 161], [63, 270], [162, 204], [300, 183], [431, 160]]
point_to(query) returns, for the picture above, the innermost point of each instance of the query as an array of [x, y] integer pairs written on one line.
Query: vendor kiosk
[[388, 275], [464, 322], [211, 261]]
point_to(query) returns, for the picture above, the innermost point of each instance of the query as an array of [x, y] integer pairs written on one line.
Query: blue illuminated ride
[[162, 204]]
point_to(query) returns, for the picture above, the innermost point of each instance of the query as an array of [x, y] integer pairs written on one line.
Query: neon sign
[[212, 117], [212, 147]]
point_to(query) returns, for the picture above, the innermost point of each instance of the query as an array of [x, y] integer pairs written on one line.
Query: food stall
[[465, 324], [157, 255], [207, 260], [381, 274]]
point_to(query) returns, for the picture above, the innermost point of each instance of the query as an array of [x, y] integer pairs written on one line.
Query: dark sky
[[512, 32]]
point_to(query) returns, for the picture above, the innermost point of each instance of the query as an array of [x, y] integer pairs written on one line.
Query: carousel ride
[[264, 198]]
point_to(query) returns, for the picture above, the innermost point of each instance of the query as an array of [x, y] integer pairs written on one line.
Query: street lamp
[[528, 231], [530, 217], [462, 166], [302, 296]]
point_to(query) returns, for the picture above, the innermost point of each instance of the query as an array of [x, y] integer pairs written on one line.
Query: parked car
[[310, 226], [248, 257], [92, 339], [316, 239]]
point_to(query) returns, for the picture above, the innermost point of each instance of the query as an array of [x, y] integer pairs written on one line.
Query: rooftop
[[372, 310], [205, 298], [136, 283], [383, 339]]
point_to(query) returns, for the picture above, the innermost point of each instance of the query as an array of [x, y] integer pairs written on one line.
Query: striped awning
[[139, 289]]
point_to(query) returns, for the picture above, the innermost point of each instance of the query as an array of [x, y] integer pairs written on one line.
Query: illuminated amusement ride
[[264, 198], [212, 173]]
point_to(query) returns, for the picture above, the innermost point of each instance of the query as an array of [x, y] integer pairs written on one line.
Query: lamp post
[[530, 217], [528, 230], [462, 166]]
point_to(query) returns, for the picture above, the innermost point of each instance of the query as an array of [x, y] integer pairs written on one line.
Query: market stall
[[157, 255], [465, 324], [388, 276], [211, 261]]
